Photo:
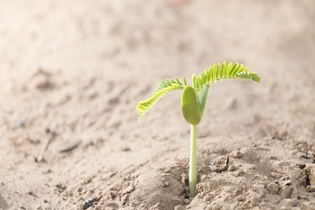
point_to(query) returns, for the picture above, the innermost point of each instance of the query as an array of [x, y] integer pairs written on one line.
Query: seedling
[[194, 100]]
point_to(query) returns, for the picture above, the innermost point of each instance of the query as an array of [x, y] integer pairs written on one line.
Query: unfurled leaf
[[162, 88]]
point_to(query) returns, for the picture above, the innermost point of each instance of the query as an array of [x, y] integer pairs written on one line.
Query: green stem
[[193, 161]]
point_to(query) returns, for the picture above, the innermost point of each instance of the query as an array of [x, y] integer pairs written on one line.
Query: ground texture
[[72, 73]]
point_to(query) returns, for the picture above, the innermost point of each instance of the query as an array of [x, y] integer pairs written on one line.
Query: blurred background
[[79, 68], [176, 36], [56, 52]]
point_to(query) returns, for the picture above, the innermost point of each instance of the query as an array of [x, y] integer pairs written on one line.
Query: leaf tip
[[139, 118]]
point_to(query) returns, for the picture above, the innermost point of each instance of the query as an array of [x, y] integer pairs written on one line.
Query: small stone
[[240, 198], [184, 179], [19, 123], [61, 188], [272, 157], [124, 199], [273, 188], [113, 194], [125, 149], [129, 189], [296, 204], [275, 175], [253, 167], [254, 201], [310, 188], [238, 173], [69, 145], [112, 206], [39, 81], [179, 208], [238, 154], [310, 172], [213, 167], [221, 167], [274, 138], [232, 168], [89, 202], [286, 182], [286, 192], [166, 184], [283, 178]]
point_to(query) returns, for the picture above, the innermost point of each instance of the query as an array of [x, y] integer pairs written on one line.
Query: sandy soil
[[72, 72]]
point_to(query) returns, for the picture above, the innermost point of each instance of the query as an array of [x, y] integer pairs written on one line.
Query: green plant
[[193, 102]]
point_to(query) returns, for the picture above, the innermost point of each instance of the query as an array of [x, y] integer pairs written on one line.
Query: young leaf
[[162, 88], [190, 107], [202, 99], [222, 72]]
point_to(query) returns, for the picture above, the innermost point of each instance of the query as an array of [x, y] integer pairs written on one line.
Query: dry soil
[[72, 73]]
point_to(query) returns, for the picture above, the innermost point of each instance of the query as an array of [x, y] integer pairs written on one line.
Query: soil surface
[[72, 73]]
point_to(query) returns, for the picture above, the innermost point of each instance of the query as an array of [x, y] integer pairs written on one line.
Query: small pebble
[[254, 201], [240, 198], [113, 194], [273, 188], [89, 202], [310, 188], [179, 208], [19, 123], [286, 192], [166, 184], [238, 154], [286, 182], [70, 145], [61, 188], [275, 175], [124, 199], [129, 189], [112, 206], [232, 168], [125, 149], [213, 167], [40, 81], [274, 138], [184, 179], [272, 157], [296, 204], [238, 173]]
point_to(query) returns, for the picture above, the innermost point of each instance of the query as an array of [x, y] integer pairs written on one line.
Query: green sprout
[[194, 100]]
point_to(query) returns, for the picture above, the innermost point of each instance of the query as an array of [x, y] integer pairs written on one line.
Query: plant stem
[[193, 161]]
